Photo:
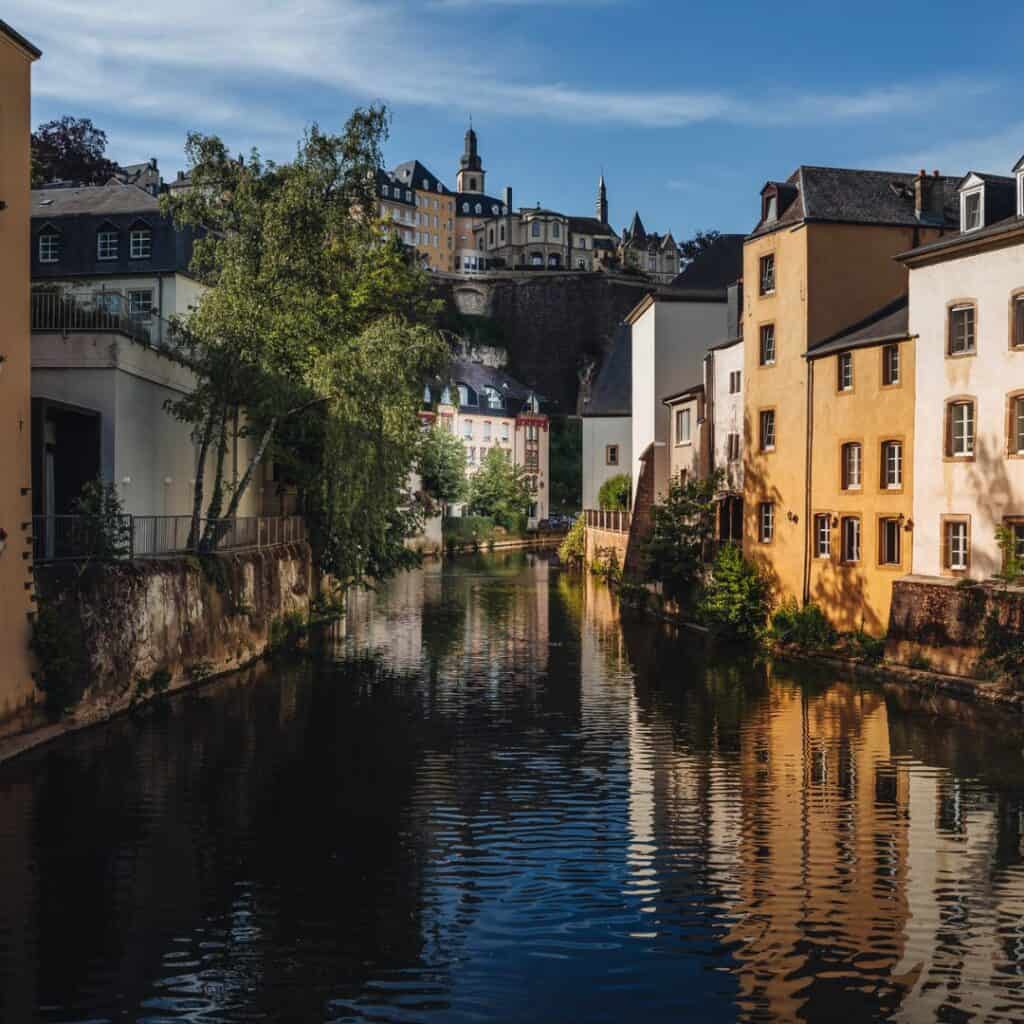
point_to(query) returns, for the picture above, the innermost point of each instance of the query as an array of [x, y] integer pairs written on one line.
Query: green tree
[[500, 490], [105, 529], [683, 526], [736, 600], [442, 465], [314, 333], [615, 492], [566, 464], [71, 149], [693, 247]]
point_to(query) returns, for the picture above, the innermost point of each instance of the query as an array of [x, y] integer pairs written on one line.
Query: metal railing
[[90, 312], [615, 521], [80, 538]]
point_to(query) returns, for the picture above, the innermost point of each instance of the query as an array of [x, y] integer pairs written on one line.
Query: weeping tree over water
[[314, 333]]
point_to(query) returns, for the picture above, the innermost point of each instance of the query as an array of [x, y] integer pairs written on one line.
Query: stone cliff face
[[556, 328]]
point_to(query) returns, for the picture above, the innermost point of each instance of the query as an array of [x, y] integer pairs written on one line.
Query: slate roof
[[844, 195], [728, 343], [635, 232], [18, 38], [145, 175], [487, 202], [1000, 195], [412, 175], [478, 376], [394, 186], [690, 392], [613, 390], [989, 179], [951, 243], [890, 323], [111, 198], [589, 226], [717, 267]]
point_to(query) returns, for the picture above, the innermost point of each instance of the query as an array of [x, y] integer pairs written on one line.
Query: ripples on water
[[484, 798]]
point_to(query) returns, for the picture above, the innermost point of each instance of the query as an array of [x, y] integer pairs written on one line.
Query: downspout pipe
[[808, 471]]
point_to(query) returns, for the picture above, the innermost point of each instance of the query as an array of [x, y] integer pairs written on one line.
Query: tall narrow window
[[960, 429], [956, 544], [140, 243], [1017, 536], [1017, 329], [852, 465], [767, 345], [892, 464], [766, 521], [889, 534], [823, 536], [734, 447], [767, 274], [961, 329], [1017, 426], [683, 426], [972, 211], [851, 539], [891, 364], [736, 378], [845, 375], [767, 427], [611, 452]]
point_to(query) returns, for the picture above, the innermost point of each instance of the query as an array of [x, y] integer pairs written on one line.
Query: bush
[[866, 647], [606, 565], [805, 627], [473, 531], [615, 492], [286, 631], [573, 549], [735, 602], [1003, 649], [59, 646], [106, 530]]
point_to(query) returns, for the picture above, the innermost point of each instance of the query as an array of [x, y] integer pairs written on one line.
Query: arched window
[[426, 185], [465, 207], [490, 236], [501, 232], [494, 211], [554, 260], [536, 259], [439, 186], [383, 190], [493, 396], [478, 209], [426, 394], [472, 184], [446, 396], [535, 229], [556, 230]]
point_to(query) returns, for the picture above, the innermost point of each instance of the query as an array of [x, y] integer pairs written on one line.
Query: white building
[[672, 330], [967, 311], [487, 409], [607, 425]]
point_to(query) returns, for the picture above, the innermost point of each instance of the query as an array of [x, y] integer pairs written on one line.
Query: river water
[[483, 797]]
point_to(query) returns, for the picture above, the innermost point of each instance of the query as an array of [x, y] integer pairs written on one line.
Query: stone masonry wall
[[175, 614], [938, 621]]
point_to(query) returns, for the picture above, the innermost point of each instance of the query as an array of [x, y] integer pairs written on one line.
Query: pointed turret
[[602, 201], [636, 229], [470, 176]]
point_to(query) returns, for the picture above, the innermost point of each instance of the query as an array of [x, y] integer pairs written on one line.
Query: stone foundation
[[600, 542], [937, 623], [176, 615]]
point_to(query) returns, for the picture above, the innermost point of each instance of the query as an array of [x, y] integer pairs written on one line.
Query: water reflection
[[485, 797]]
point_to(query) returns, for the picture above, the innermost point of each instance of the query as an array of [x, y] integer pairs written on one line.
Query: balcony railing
[[615, 521], [90, 313], [85, 538]]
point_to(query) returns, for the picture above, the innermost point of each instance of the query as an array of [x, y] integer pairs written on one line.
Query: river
[[483, 797]]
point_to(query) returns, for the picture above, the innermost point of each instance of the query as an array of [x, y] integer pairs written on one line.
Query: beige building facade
[[16, 686]]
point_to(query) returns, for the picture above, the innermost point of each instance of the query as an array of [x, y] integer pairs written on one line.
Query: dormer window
[[478, 209], [140, 243], [972, 210], [49, 247], [383, 190], [106, 244], [771, 207]]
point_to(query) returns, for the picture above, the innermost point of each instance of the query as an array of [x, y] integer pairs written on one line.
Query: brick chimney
[[929, 197]]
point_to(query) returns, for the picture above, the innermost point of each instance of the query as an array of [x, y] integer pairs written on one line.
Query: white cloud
[[994, 153], [214, 66]]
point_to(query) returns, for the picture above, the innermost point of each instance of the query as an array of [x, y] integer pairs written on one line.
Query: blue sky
[[689, 108]]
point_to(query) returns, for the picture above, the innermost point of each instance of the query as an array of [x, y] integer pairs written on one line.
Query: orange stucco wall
[[828, 277], [857, 596], [16, 686]]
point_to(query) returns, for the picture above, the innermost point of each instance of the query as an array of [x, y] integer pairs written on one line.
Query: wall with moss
[[164, 622]]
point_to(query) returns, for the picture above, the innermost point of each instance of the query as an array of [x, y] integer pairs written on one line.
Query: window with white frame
[[892, 464], [487, 430], [845, 371], [852, 466], [49, 247], [960, 429], [682, 426], [961, 329], [140, 304], [767, 430], [467, 429], [1017, 426], [891, 364], [823, 536], [889, 541], [956, 543], [766, 521], [504, 431], [140, 243], [767, 268], [735, 381], [972, 210], [106, 245], [851, 538], [767, 351]]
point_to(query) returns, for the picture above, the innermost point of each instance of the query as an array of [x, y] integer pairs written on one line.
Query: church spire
[[602, 201], [470, 176]]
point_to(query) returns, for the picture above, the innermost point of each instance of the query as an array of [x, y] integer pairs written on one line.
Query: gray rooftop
[[94, 199], [890, 323], [717, 267], [613, 390]]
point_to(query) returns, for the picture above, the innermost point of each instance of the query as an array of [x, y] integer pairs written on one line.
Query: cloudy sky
[[688, 107]]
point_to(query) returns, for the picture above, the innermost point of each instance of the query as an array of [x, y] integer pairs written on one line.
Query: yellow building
[[433, 216], [819, 261], [16, 57], [862, 457]]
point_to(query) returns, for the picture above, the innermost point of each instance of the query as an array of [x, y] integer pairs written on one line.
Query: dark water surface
[[483, 798]]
